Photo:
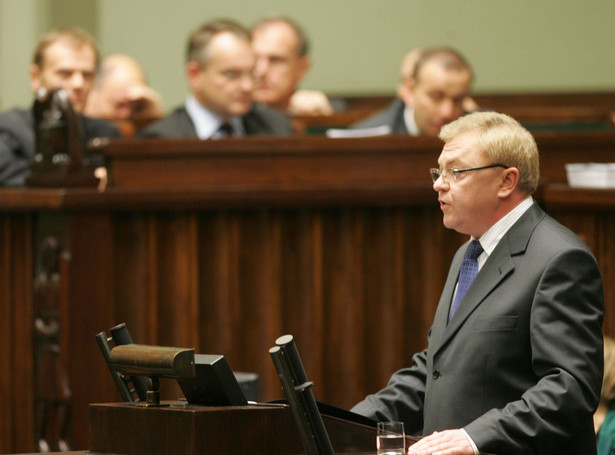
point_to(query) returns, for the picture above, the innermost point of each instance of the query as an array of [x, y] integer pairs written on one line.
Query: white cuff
[[476, 452]]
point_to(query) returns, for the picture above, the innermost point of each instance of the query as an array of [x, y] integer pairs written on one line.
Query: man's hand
[[145, 101], [449, 442], [310, 102]]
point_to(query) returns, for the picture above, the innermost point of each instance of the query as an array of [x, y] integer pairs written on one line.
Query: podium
[[182, 429]]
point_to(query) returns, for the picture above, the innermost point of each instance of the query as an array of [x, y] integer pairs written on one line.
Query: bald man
[[121, 91]]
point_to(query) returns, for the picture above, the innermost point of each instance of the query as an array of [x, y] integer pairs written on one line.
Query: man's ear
[[304, 66], [34, 73], [193, 68], [406, 91], [510, 180]]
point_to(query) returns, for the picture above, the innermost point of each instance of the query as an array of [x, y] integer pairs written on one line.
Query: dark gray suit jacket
[[259, 121], [519, 366], [392, 116], [17, 142]]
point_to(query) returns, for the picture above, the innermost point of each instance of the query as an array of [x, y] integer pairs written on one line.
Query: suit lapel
[[499, 265], [184, 124]]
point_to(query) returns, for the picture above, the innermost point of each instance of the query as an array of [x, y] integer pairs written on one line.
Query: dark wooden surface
[[350, 263], [259, 430]]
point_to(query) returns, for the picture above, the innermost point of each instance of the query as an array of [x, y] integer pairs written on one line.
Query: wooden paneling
[[16, 340], [351, 266]]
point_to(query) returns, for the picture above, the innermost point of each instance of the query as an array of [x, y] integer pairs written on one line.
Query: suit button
[[435, 374]]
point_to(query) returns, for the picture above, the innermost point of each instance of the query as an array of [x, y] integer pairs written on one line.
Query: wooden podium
[[181, 429]]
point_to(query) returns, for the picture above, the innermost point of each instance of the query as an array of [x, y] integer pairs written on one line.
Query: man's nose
[[247, 82], [447, 109], [77, 80], [440, 184], [261, 67]]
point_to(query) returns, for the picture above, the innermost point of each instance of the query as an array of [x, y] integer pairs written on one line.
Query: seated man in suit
[[64, 58], [121, 91], [282, 61], [431, 98], [219, 67], [513, 363]]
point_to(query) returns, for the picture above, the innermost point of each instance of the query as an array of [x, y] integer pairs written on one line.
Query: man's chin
[[77, 105], [241, 109], [264, 97]]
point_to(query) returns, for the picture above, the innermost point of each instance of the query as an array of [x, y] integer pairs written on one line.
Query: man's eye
[[231, 74], [436, 96]]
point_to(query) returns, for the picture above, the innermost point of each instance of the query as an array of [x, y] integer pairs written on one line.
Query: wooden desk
[[183, 430]]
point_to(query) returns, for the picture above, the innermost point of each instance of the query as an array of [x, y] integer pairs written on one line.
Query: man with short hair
[[219, 67], [282, 61], [64, 58], [431, 98], [514, 358], [121, 91]]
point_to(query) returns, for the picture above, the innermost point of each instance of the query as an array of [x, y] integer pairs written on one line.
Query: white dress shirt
[[207, 124]]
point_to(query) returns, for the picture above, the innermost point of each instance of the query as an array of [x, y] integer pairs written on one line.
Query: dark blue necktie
[[469, 269], [226, 130]]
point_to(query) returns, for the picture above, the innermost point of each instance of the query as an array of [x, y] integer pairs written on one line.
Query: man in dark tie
[[219, 67], [516, 367]]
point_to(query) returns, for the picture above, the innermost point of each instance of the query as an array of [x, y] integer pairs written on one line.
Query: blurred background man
[[282, 61], [432, 97], [220, 65], [121, 91], [64, 58]]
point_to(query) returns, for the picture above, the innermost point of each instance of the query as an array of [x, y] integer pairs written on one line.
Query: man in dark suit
[[65, 58], [432, 97], [219, 68], [514, 359]]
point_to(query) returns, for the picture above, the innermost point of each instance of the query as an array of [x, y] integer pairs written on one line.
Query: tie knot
[[226, 129], [474, 250]]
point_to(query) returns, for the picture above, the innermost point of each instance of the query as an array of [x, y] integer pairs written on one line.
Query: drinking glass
[[390, 439]]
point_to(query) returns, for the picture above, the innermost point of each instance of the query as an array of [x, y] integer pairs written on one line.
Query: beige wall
[[520, 45]]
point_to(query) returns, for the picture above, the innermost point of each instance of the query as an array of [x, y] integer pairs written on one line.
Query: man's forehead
[[462, 147], [275, 38], [230, 51], [63, 52], [226, 44], [434, 74]]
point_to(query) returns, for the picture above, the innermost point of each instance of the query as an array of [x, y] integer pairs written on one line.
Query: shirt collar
[[206, 122], [490, 239], [411, 126]]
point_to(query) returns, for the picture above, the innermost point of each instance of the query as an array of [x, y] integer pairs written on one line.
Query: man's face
[[66, 67], [117, 91], [469, 204], [437, 96], [279, 68], [225, 84]]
